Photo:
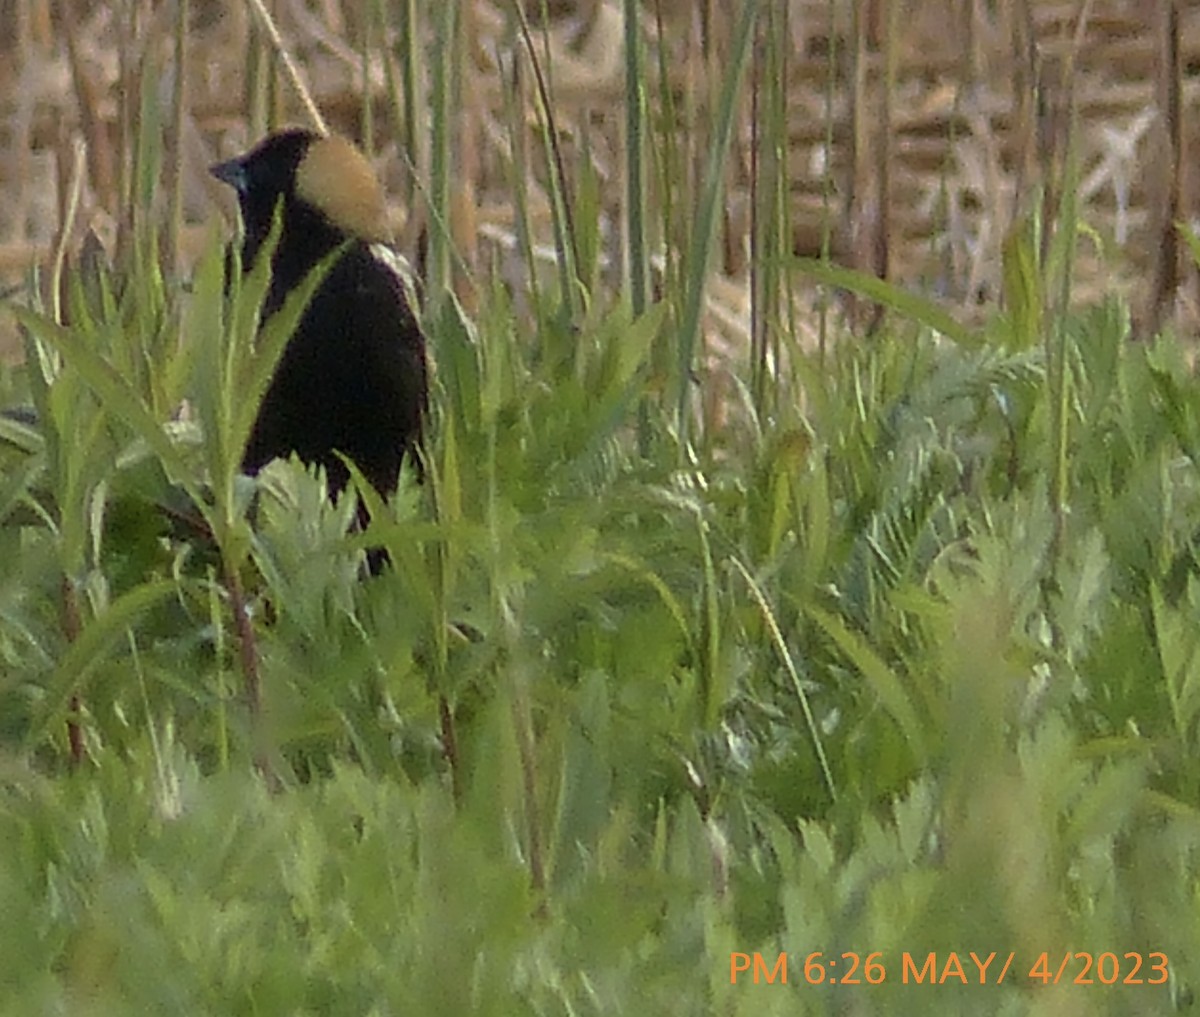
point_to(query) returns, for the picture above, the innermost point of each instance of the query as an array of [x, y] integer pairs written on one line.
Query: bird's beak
[[232, 172]]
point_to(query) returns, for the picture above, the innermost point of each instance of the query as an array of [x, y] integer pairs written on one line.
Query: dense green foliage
[[838, 680]]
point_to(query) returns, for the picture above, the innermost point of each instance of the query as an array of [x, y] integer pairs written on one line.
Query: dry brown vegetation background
[[919, 132]]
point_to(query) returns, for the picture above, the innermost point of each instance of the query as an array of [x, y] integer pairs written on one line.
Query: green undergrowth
[[845, 681]]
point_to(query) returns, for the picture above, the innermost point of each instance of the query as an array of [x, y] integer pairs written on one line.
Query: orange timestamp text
[[955, 968]]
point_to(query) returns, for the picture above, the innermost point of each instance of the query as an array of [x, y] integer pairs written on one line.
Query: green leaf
[[909, 305], [1023, 292], [885, 683], [96, 640], [116, 393]]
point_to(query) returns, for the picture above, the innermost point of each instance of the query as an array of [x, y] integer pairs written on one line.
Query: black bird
[[353, 378]]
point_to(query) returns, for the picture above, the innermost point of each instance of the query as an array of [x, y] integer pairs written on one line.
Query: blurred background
[[917, 133]]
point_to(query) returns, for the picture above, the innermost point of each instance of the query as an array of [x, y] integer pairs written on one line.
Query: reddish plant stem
[[450, 747], [72, 627], [248, 659]]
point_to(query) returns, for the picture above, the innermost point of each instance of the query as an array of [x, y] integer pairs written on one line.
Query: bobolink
[[352, 379]]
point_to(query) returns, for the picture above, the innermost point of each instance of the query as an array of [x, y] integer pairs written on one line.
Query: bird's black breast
[[352, 378]]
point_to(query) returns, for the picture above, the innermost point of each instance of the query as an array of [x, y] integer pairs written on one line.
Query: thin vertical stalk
[[128, 95], [858, 203], [1166, 274], [270, 86], [467, 161], [827, 182], [527, 751], [780, 189], [450, 750], [704, 235], [564, 227], [669, 161], [883, 243], [72, 622], [635, 165], [439, 169], [368, 106], [1062, 259], [635, 189], [178, 112], [411, 65], [248, 660], [257, 69], [768, 204], [758, 158], [100, 154], [514, 110]]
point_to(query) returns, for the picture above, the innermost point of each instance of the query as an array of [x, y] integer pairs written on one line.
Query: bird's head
[[321, 174]]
